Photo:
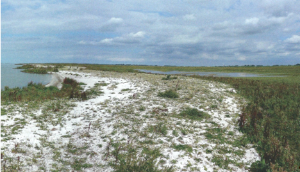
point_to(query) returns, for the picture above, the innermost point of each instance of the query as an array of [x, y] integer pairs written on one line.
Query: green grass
[[38, 92], [25, 66], [127, 159], [271, 119], [169, 77], [40, 70], [28, 68], [278, 70], [186, 148], [126, 89], [216, 134], [193, 114], [168, 94], [160, 128], [80, 164]]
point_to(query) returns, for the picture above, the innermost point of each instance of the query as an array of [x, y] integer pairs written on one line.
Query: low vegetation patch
[[127, 159], [29, 68], [26, 66], [168, 94], [39, 70], [193, 114], [271, 120], [126, 89], [186, 148], [39, 92], [169, 77]]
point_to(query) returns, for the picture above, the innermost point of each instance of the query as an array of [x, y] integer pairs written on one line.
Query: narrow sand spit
[[56, 81], [125, 110]]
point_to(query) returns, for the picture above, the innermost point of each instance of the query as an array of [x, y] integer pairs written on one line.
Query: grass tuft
[[169, 94], [194, 114]]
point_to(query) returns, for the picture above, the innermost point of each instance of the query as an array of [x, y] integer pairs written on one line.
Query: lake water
[[218, 74], [15, 78]]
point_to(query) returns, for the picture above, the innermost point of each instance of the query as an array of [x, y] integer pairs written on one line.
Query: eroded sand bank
[[56, 80]]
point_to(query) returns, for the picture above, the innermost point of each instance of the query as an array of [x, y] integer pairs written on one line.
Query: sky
[[171, 32]]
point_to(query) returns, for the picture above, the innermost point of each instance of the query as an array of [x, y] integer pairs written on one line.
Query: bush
[[36, 70], [259, 166], [33, 91], [55, 70], [194, 114], [169, 78], [168, 94], [38, 92], [27, 66]]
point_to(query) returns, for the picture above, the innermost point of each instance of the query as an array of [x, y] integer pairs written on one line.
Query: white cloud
[[139, 34], [294, 39], [130, 38], [185, 39], [107, 40], [115, 20], [189, 17], [242, 58], [252, 21]]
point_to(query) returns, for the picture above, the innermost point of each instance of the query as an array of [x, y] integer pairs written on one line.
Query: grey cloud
[[153, 31]]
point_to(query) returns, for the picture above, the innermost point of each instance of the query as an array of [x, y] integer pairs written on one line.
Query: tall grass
[[39, 92], [271, 120]]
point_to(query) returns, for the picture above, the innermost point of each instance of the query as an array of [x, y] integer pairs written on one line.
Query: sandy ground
[[127, 110], [56, 80]]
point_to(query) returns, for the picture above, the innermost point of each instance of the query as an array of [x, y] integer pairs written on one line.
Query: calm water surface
[[15, 78]]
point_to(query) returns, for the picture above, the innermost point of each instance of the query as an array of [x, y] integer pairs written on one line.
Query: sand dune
[[56, 81]]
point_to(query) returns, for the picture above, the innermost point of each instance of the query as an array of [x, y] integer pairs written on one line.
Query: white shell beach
[[126, 112]]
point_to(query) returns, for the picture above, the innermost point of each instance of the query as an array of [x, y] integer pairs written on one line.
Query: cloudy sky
[[177, 32]]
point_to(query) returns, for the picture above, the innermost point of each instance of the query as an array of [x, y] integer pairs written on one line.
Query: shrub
[[39, 70], [33, 91], [169, 78], [38, 92], [142, 108], [168, 94], [194, 114], [27, 66], [55, 70], [259, 166], [70, 81]]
